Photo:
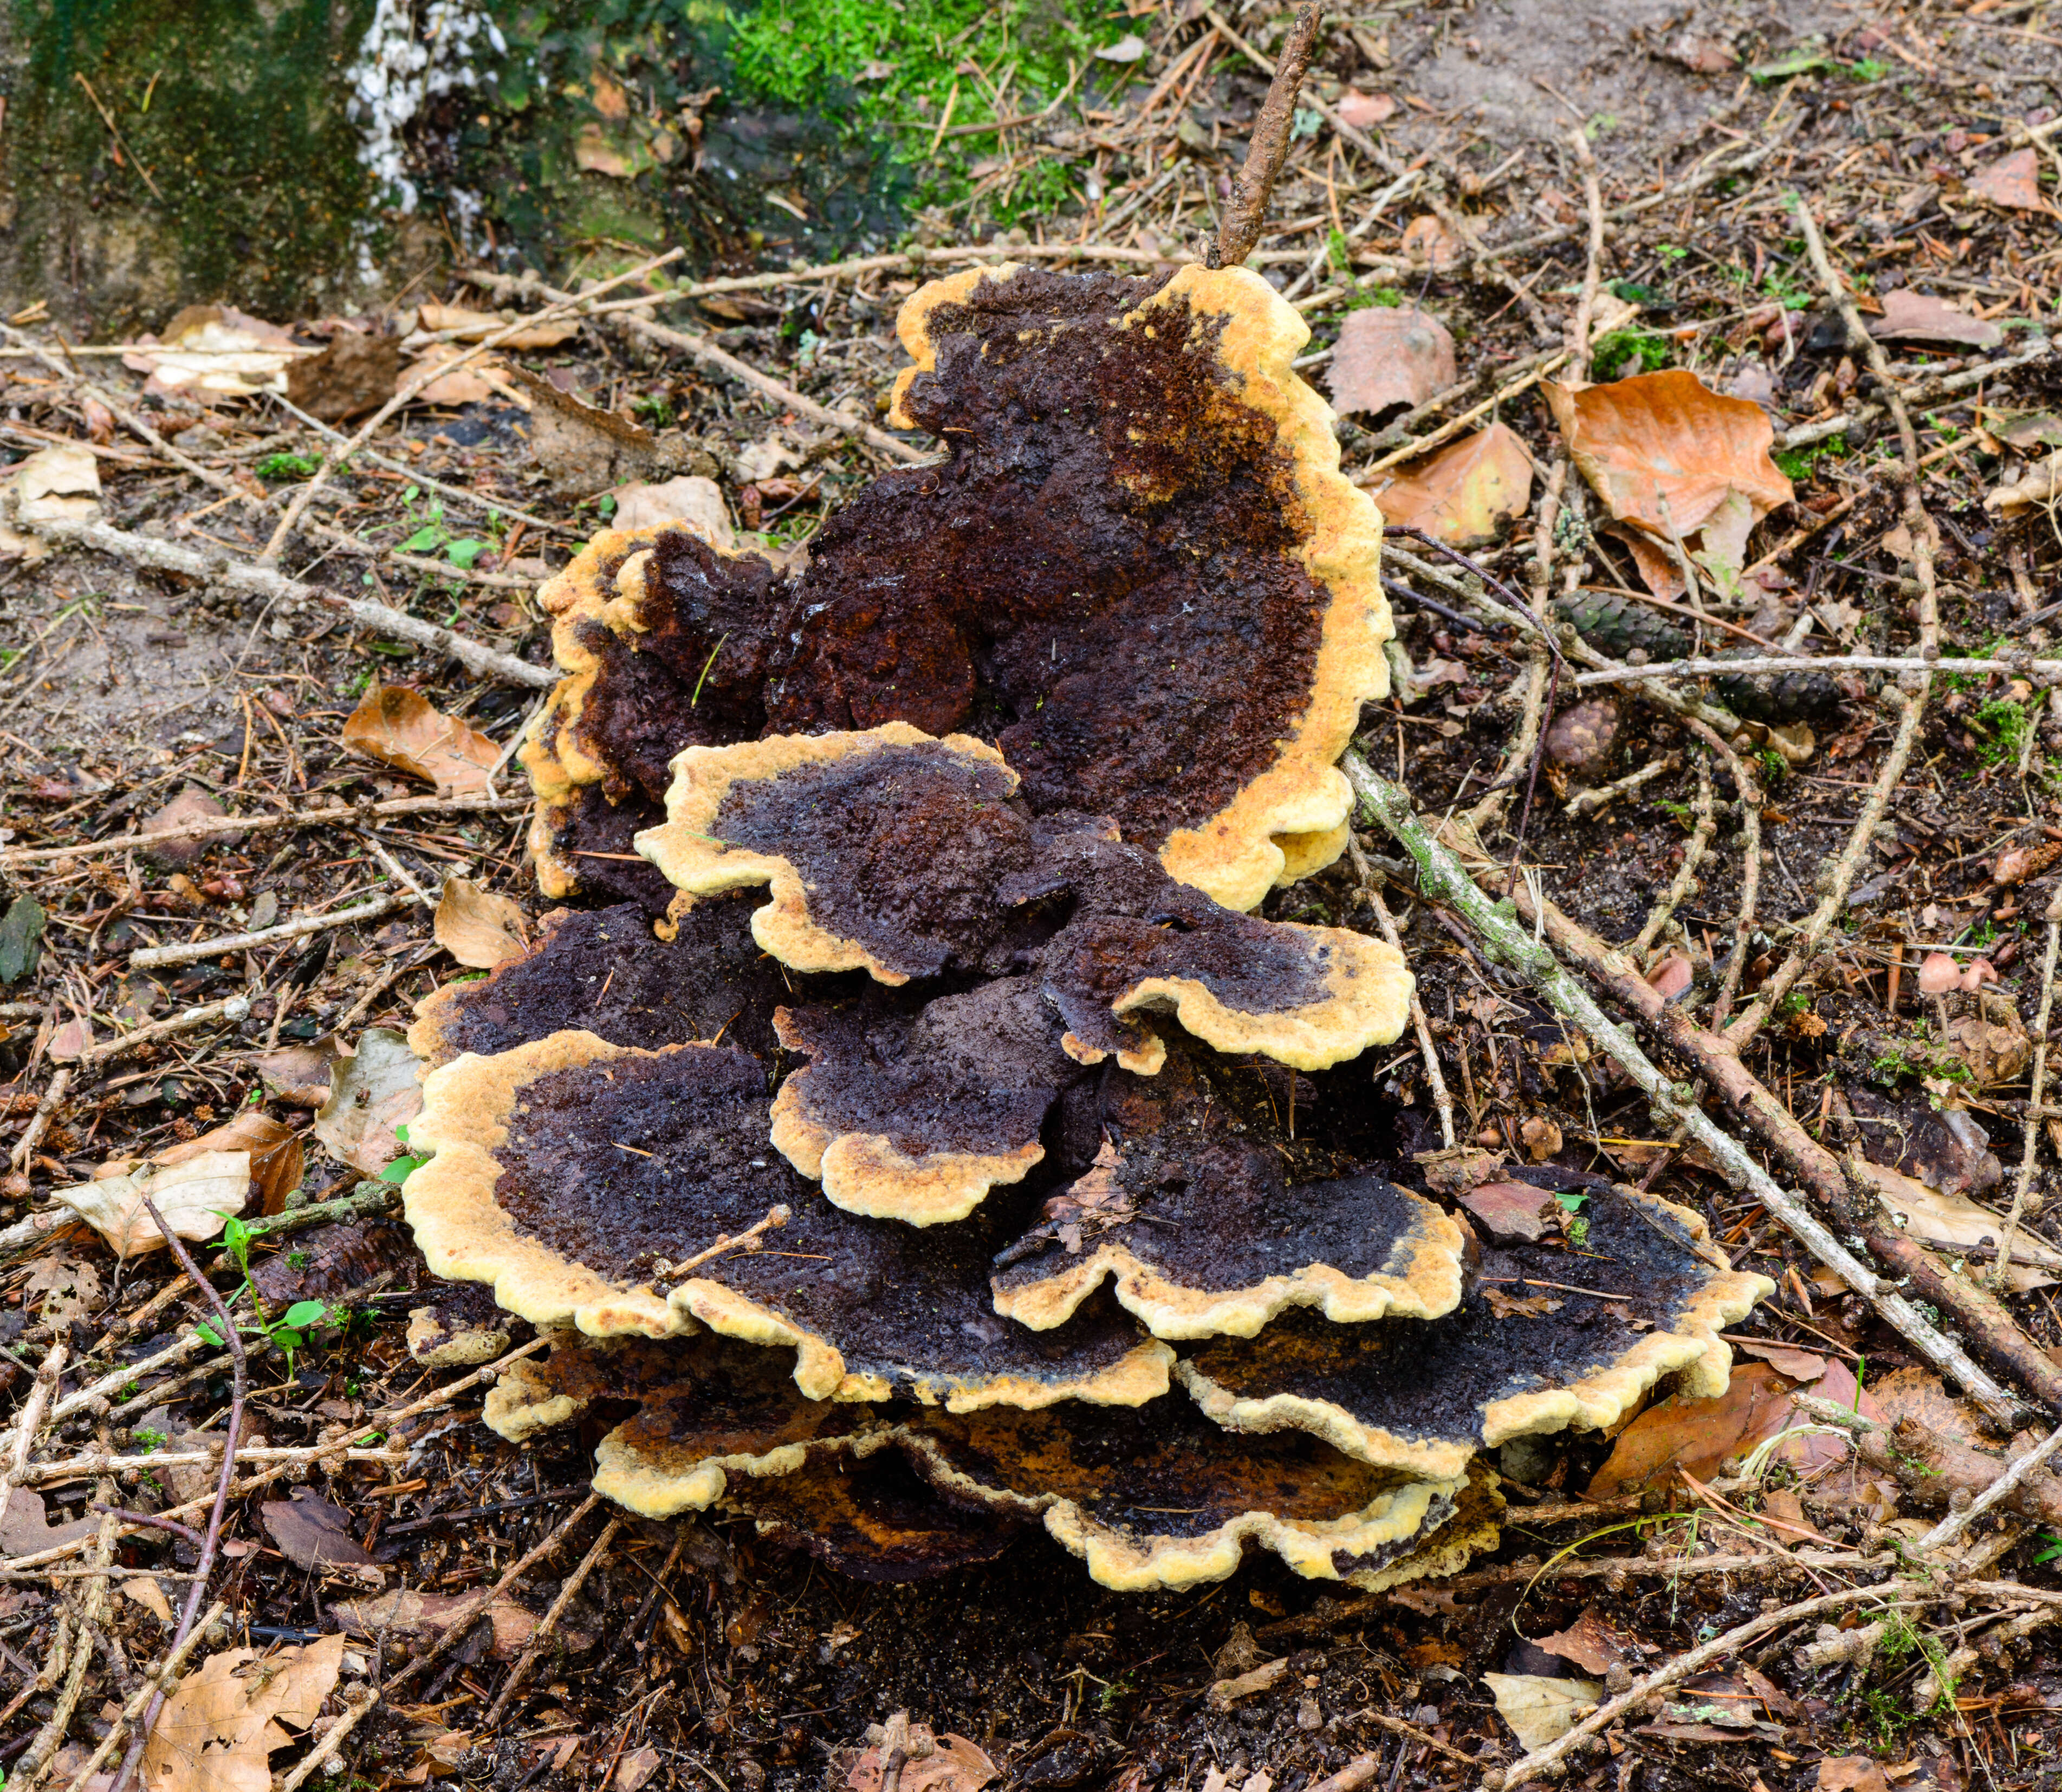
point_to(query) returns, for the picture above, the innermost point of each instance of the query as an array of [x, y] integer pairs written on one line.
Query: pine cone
[[1775, 696], [1616, 625]]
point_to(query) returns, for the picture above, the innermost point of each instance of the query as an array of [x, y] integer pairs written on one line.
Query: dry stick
[[268, 582], [461, 1620], [1997, 1336], [358, 1704], [2040, 671], [32, 1134], [1749, 790], [211, 1539], [210, 825], [1424, 444], [157, 1682], [706, 351], [1534, 1765], [1706, 826], [1588, 802], [1396, 1726], [422, 377], [233, 1009], [1238, 230], [2033, 1106], [92, 1617], [1489, 811], [1442, 1097], [1442, 879], [1578, 327], [1956, 1522], [29, 1420], [1918, 392], [550, 1622], [146, 957]]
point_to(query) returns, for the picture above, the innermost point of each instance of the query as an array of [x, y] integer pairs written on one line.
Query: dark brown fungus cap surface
[[1137, 570], [1199, 1226], [1525, 1352], [664, 642], [908, 857], [1151, 1497], [605, 971], [572, 1173], [917, 1117]]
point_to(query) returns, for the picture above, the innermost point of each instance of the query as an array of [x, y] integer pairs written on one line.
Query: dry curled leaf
[[1700, 1435], [1467, 494], [301, 1074], [1386, 357], [2013, 181], [1590, 1643], [946, 1763], [312, 1531], [470, 325], [398, 727], [374, 1091], [1540, 1710], [692, 501], [1540, 1136], [1364, 112], [193, 1196], [1663, 450], [216, 350], [477, 927], [58, 485], [356, 374], [1426, 239], [1909, 316], [1951, 1219], [275, 1148], [2039, 488], [222, 1722], [71, 1288], [407, 1612], [635, 1769]]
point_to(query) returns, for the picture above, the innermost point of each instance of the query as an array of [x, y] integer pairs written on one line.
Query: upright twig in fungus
[[1239, 228], [211, 1539]]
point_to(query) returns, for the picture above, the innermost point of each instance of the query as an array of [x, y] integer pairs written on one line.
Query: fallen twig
[[2041, 671], [232, 1009], [2037, 1094], [147, 957], [549, 1622], [267, 582], [2007, 1484], [1239, 225]]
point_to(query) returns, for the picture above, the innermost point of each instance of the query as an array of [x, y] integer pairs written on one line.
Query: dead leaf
[[469, 384], [953, 1765], [1509, 1210], [1386, 356], [1852, 1772], [1990, 1039], [1540, 1136], [477, 927], [690, 502], [1541, 1710], [332, 1263], [192, 803], [1364, 112], [1129, 48], [275, 1148], [1799, 1365], [301, 1074], [634, 1769], [584, 448], [193, 1196], [25, 1529], [2022, 429], [472, 326], [2037, 488], [375, 1090], [1703, 55], [407, 1612], [2013, 181], [1664, 449], [1513, 1306], [144, 1590], [214, 349], [1952, 1220], [312, 1531], [1467, 494], [1909, 316], [1697, 1435], [222, 1721], [72, 1286], [397, 724], [1426, 239], [1670, 979], [1919, 1396], [1589, 1642], [356, 374], [59, 485]]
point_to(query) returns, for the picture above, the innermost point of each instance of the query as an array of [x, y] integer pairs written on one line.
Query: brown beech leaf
[[301, 1074], [356, 374], [1509, 1210], [1852, 1772], [1697, 1435], [1589, 1642], [934, 1763], [398, 727], [1427, 240], [2013, 181], [478, 326], [409, 1613], [312, 1531], [1467, 494], [1386, 357], [1663, 449], [1952, 1220], [274, 1149], [25, 1528], [1364, 112], [222, 1722], [479, 928], [193, 1196], [1909, 316], [1539, 1709]]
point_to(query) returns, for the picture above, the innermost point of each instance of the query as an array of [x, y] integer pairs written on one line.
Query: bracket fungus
[[917, 1142]]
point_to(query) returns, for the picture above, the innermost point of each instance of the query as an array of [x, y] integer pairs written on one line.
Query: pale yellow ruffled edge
[[1292, 819]]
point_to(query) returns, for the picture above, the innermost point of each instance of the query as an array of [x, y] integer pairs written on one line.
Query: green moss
[[1627, 351], [235, 175]]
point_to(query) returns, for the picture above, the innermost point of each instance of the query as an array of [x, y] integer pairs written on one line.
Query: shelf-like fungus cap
[[916, 1118], [584, 1180], [1546, 1340], [1189, 1215], [664, 642], [1139, 550], [884, 848], [605, 971]]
